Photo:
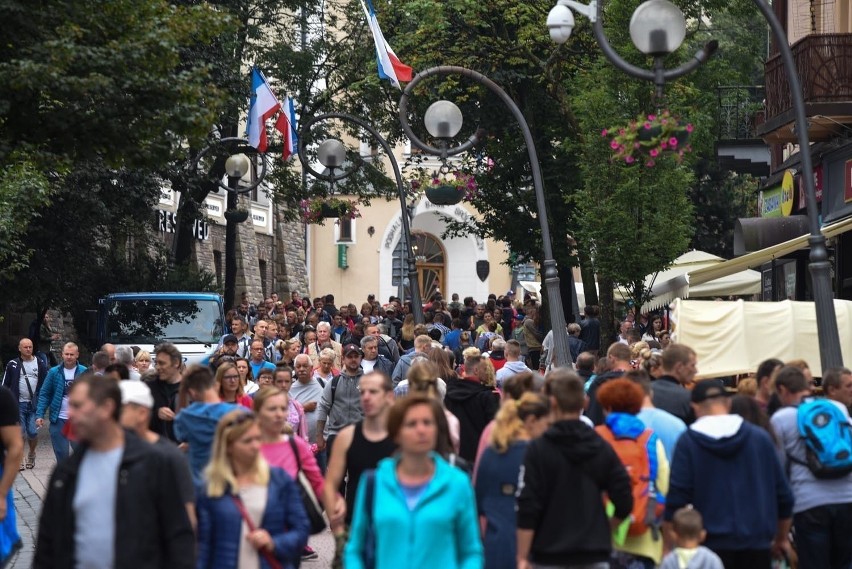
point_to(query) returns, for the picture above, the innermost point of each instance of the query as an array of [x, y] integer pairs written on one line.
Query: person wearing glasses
[[249, 514], [230, 386]]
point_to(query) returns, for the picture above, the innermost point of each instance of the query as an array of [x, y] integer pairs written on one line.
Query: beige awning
[[758, 258], [677, 282], [730, 337]]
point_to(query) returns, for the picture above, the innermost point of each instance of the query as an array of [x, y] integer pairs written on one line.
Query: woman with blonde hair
[[423, 377], [652, 362], [496, 477], [325, 370], [230, 387], [249, 514], [143, 361], [406, 340], [486, 374], [288, 349]]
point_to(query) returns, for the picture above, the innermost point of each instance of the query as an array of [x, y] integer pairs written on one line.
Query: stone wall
[[291, 272]]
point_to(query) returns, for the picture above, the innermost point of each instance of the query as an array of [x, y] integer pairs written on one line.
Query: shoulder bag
[[306, 491]]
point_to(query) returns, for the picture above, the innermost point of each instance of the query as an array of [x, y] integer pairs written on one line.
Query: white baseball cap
[[136, 392]]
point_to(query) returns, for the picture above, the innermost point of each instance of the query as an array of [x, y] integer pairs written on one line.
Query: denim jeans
[[823, 536], [27, 412], [58, 440]]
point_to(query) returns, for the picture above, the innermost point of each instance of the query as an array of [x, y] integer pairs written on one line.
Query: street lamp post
[[236, 166], [443, 121], [331, 154], [655, 29]]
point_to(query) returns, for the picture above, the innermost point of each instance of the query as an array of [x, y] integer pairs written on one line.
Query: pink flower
[[621, 131], [654, 152], [649, 164], [673, 142], [648, 126], [604, 132], [664, 145], [689, 128], [636, 145], [629, 159], [652, 117], [614, 145]]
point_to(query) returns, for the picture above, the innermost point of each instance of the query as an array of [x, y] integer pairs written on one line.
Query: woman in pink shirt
[[271, 407]]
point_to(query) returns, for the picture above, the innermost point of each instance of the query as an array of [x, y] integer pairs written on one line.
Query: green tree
[[95, 100]]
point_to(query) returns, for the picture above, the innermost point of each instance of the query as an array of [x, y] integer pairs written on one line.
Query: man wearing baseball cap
[[136, 405], [340, 404], [728, 469]]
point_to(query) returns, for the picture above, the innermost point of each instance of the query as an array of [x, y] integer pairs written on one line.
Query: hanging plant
[[445, 189], [315, 210], [647, 137]]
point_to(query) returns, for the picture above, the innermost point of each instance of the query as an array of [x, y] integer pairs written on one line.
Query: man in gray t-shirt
[[116, 502], [308, 391]]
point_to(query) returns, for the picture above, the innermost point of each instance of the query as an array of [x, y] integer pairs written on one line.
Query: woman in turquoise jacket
[[424, 512]]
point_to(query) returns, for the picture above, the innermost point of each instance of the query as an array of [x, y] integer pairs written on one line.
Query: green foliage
[[24, 190]]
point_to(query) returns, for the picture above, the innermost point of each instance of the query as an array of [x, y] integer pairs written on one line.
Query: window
[[344, 231], [262, 266], [217, 267]]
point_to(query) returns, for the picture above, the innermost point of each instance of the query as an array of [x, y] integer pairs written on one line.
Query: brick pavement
[[30, 488]]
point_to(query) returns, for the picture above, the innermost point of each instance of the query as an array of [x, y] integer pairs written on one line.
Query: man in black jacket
[[561, 518], [24, 377], [670, 389], [115, 502]]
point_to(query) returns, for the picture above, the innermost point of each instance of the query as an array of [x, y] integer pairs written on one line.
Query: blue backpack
[[828, 439]]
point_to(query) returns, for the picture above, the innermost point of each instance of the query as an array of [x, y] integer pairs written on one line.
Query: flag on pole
[[286, 125], [390, 67], [264, 104]]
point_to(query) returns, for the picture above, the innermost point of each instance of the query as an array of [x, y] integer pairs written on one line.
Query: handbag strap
[[293, 446], [247, 519], [23, 371]]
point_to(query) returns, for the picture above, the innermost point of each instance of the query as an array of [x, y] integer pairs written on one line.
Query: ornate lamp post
[[657, 28], [236, 166], [443, 121], [332, 154]]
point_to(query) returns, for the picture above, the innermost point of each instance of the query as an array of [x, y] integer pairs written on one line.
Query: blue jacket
[[737, 484], [441, 532], [53, 391], [496, 485], [196, 425], [220, 522]]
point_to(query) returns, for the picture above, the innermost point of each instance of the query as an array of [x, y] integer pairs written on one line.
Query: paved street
[[31, 485]]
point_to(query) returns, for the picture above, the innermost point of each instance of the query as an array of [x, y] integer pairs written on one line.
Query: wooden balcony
[[824, 64]]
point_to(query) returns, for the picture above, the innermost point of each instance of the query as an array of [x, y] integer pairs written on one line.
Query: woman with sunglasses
[[249, 514], [230, 386]]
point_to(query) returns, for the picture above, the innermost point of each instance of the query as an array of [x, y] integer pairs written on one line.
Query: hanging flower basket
[[315, 210], [446, 189], [236, 215], [645, 139]]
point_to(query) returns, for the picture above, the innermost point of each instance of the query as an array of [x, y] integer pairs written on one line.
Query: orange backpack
[[633, 454]]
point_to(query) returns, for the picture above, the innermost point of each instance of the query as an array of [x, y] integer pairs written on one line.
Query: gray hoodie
[[702, 559], [508, 370]]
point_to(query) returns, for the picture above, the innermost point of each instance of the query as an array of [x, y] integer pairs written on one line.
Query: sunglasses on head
[[240, 419]]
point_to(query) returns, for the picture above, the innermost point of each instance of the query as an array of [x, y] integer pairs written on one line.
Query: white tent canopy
[[730, 337], [673, 282]]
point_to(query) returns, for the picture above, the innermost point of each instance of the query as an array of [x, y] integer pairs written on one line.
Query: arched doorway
[[430, 259]]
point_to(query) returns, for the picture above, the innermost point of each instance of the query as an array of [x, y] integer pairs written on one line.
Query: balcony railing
[[740, 111], [824, 64]]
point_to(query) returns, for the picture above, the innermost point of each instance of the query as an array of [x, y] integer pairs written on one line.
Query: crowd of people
[[454, 443]]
